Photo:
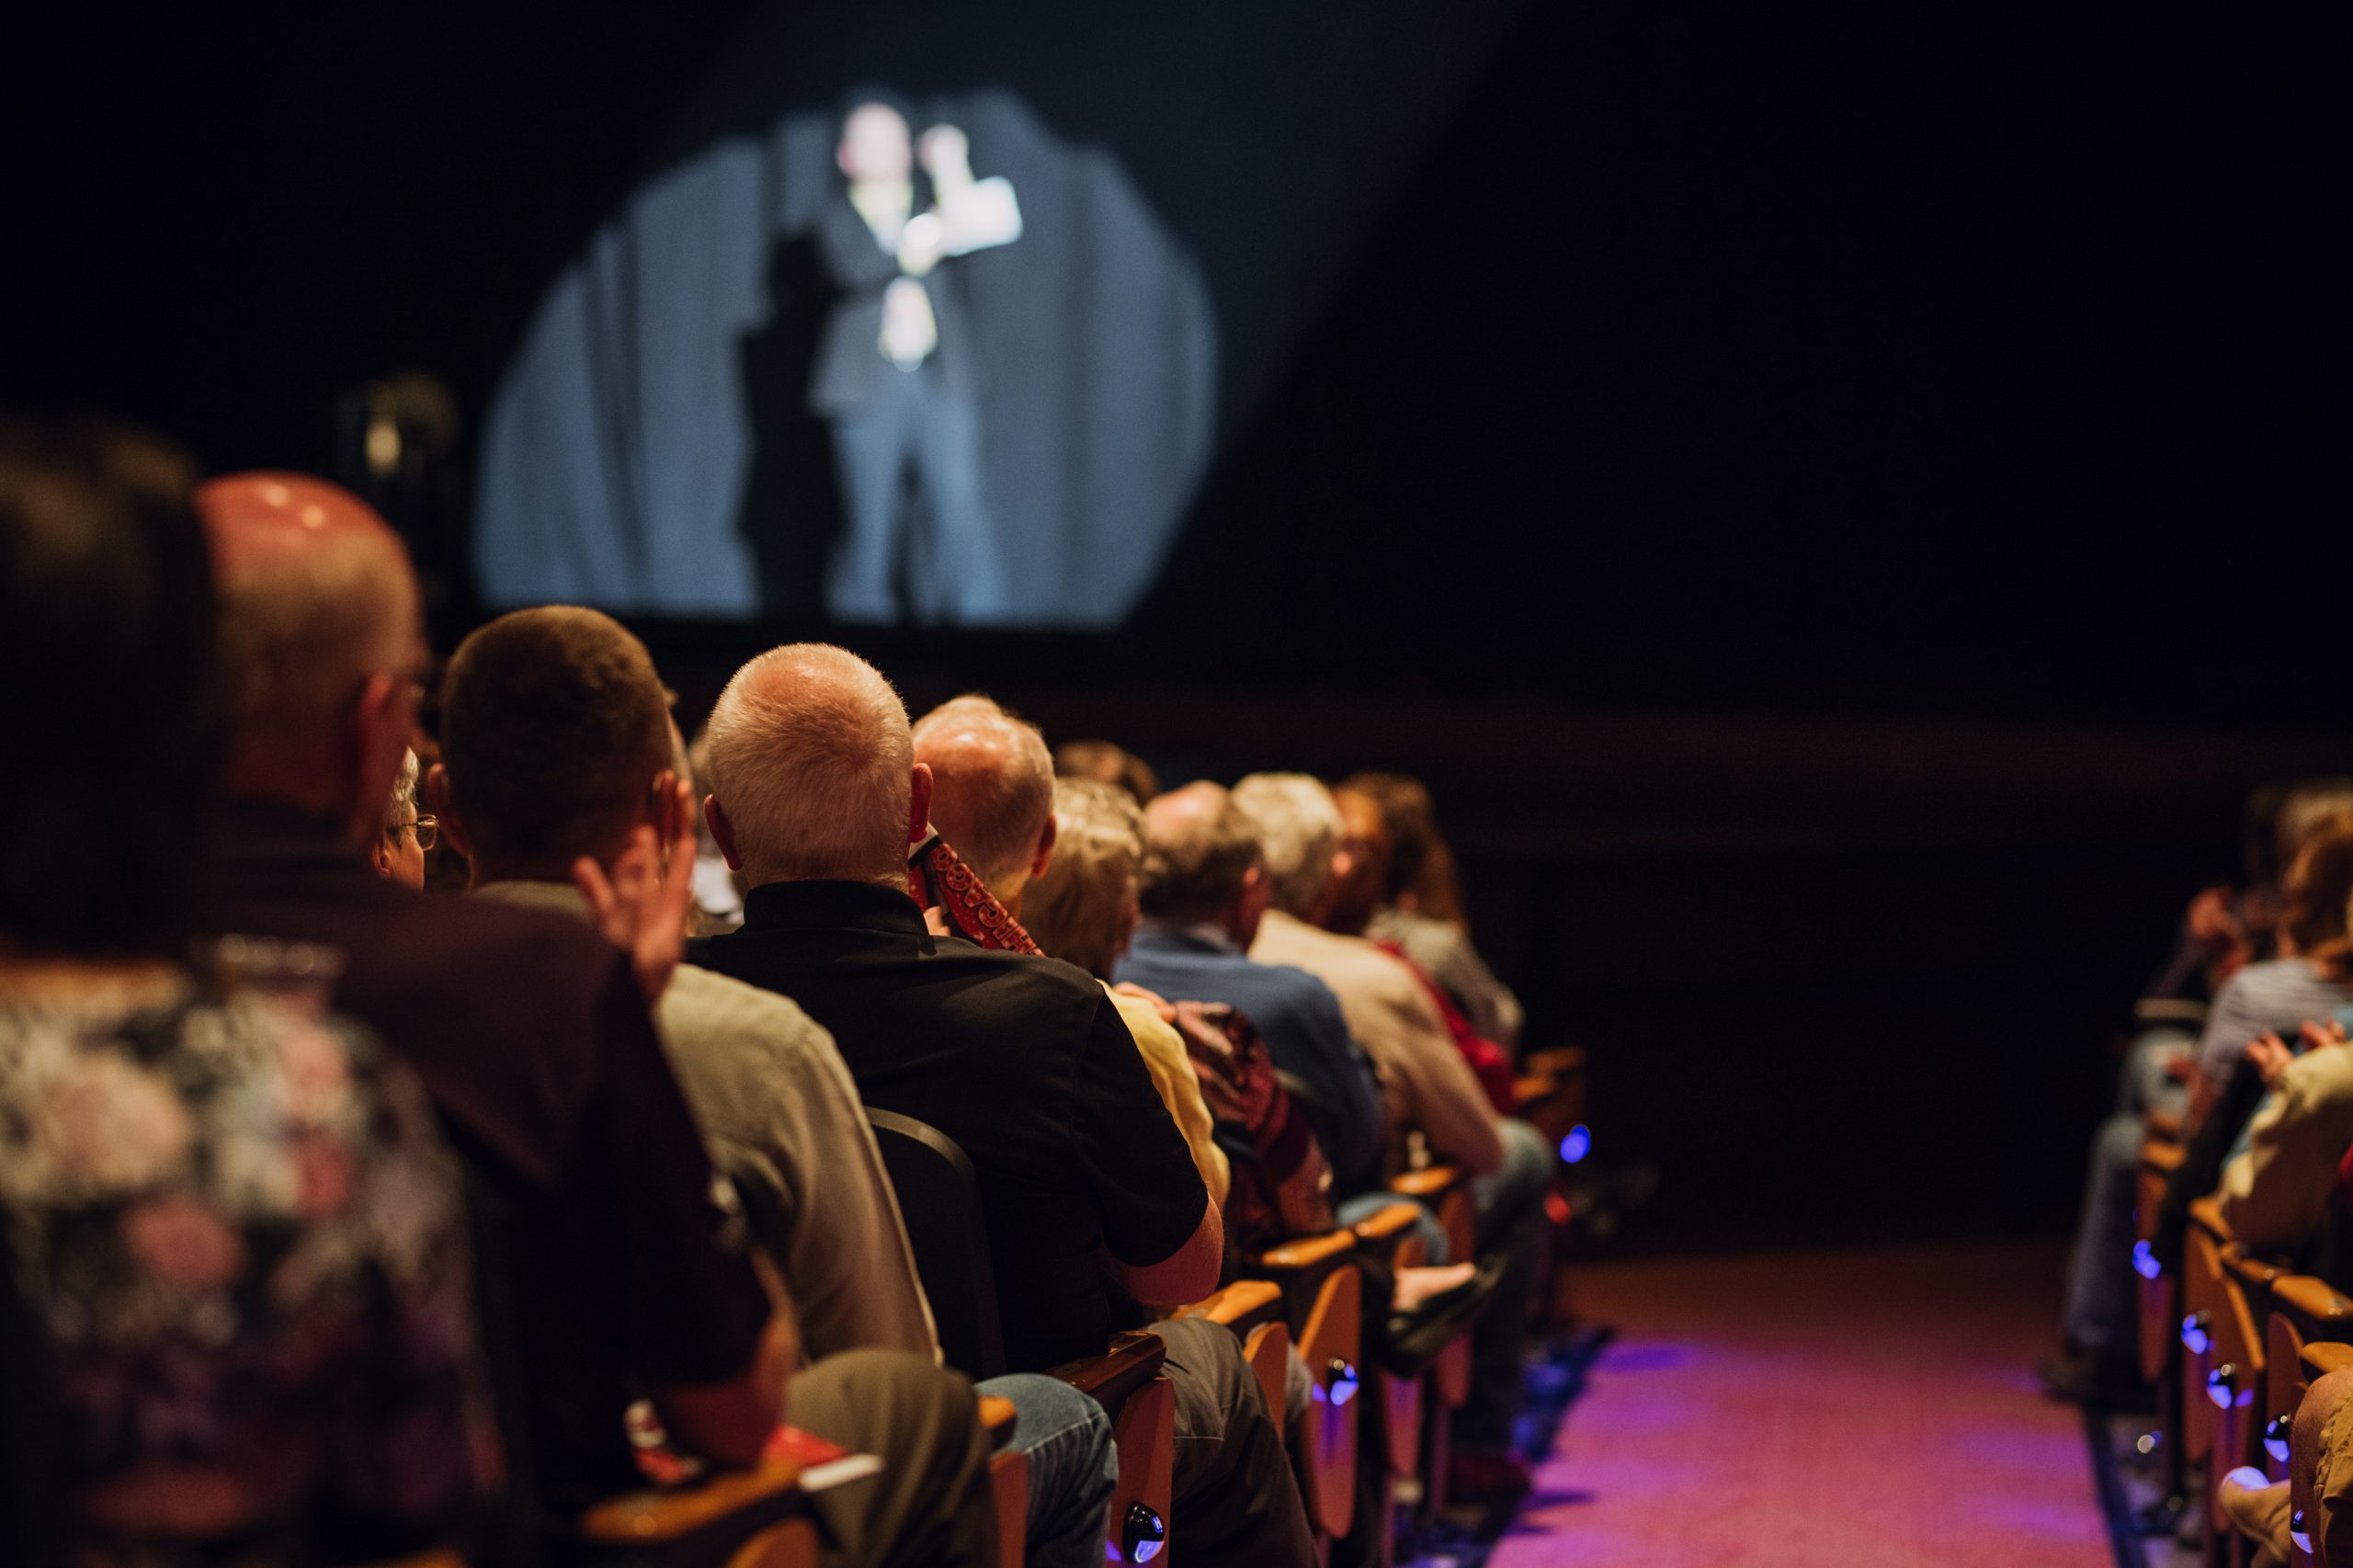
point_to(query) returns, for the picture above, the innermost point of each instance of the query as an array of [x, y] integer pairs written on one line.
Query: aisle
[[1815, 1410]]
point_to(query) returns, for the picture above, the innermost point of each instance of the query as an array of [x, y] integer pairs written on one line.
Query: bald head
[[993, 790], [812, 769], [1201, 856], [320, 633]]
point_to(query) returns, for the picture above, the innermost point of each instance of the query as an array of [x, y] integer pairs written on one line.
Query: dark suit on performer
[[888, 417]]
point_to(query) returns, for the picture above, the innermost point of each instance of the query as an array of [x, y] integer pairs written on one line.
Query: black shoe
[[1413, 1339], [2103, 1382]]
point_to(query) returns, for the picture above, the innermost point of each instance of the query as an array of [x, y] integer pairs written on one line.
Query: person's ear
[[377, 744], [664, 810], [1045, 852], [380, 857], [441, 800], [722, 832], [919, 803]]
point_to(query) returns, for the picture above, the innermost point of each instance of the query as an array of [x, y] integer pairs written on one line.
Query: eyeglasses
[[428, 829]]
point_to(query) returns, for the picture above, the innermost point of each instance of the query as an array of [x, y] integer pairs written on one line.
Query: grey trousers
[[930, 1505], [2100, 1310]]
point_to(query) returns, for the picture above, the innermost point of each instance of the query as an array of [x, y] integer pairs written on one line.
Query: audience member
[[2272, 997], [1365, 849], [192, 1182], [1202, 893], [992, 785], [558, 744], [1425, 1082], [1418, 881], [532, 1035], [1106, 764], [1429, 1085], [400, 849], [1088, 1193]]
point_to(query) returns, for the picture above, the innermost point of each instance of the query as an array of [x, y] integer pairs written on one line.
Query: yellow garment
[[1164, 1057]]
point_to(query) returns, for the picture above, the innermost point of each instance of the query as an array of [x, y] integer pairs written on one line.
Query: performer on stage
[[893, 373]]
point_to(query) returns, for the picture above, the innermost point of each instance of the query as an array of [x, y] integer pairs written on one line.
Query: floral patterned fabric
[[241, 1238]]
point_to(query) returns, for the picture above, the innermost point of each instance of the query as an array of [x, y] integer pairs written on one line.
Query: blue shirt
[[1297, 1015]]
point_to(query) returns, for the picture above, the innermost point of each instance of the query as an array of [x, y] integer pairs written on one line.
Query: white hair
[[1298, 830], [993, 786], [810, 758], [402, 806]]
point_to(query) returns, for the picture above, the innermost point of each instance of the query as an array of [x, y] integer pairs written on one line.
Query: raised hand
[[643, 906]]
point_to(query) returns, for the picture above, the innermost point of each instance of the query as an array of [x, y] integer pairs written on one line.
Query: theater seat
[[744, 1519], [2307, 1315], [939, 1198], [1446, 1191], [1322, 1294], [2160, 1293]]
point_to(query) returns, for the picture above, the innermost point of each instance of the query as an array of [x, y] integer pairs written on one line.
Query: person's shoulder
[[542, 943], [2325, 1075], [703, 1005]]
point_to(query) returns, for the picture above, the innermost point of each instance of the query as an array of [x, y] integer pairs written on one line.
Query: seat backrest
[[941, 1201], [31, 1525]]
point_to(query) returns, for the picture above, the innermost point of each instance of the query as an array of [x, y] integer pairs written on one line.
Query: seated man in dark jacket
[[1090, 1197]]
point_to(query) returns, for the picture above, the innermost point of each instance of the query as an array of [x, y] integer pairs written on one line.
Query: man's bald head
[[812, 769], [993, 789], [1199, 852], [319, 608]]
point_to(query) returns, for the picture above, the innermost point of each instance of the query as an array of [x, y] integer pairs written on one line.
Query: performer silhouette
[[893, 373]]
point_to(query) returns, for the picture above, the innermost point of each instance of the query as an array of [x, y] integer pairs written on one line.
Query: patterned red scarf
[[939, 879]]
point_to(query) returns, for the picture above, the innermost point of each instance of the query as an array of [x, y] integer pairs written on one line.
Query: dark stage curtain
[[649, 449]]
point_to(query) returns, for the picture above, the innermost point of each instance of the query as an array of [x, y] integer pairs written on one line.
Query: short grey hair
[[993, 786], [810, 759], [1299, 831], [402, 806], [1082, 910]]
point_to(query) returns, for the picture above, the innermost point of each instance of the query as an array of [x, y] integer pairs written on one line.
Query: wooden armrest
[[1431, 1181], [2168, 1010], [651, 1517], [2312, 1300], [1133, 1361], [1527, 1091], [2206, 1213], [1560, 1061], [2322, 1357], [2161, 1157], [1242, 1304], [2257, 1273], [998, 1417], [1385, 1226], [1306, 1251], [2163, 1124]]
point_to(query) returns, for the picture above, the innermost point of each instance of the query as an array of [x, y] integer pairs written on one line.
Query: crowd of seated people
[[348, 1221], [2211, 1267]]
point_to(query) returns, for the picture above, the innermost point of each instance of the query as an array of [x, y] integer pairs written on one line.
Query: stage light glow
[[2194, 1338], [1577, 1144], [2275, 1438], [2144, 1261]]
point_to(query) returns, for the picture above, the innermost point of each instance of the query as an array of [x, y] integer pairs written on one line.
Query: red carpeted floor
[[1818, 1410]]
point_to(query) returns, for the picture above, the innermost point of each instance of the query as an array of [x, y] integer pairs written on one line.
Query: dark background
[[1841, 503]]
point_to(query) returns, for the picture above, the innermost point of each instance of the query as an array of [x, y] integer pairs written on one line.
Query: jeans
[[1511, 1204], [913, 420], [1073, 1467], [1365, 1205], [2101, 1298]]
